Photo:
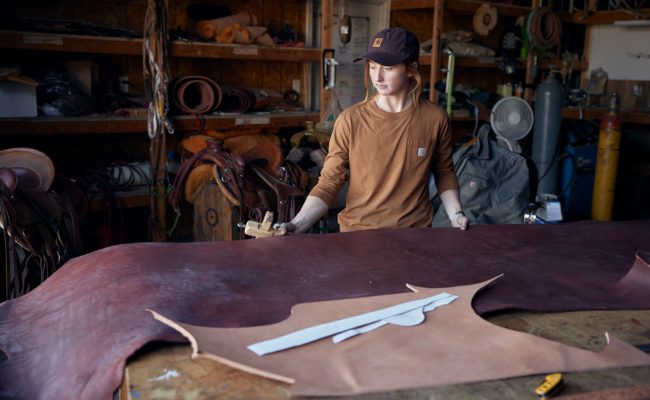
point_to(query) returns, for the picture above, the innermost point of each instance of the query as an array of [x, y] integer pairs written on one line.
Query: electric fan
[[511, 119]]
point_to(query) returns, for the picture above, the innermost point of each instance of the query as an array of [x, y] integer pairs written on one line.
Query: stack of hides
[[238, 28]]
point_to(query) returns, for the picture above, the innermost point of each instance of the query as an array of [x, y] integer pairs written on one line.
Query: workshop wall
[[113, 72], [622, 52]]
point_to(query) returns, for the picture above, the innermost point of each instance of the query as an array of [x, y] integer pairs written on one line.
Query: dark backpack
[[496, 184]]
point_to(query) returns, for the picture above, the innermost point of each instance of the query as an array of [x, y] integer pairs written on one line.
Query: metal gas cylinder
[[549, 102], [609, 143]]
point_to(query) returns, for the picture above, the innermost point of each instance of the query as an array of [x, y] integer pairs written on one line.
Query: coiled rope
[[156, 67], [157, 77], [544, 29]]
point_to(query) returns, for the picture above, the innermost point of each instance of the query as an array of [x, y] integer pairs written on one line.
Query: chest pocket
[[418, 153]]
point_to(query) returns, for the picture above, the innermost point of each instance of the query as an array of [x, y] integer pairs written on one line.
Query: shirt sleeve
[[442, 164], [335, 169]]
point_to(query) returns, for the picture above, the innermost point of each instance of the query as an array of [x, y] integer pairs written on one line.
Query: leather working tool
[[550, 386], [261, 229]]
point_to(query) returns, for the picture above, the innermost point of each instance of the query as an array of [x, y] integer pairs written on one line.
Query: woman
[[389, 142]]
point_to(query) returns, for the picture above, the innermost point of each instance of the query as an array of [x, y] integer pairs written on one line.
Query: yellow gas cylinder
[[609, 143]]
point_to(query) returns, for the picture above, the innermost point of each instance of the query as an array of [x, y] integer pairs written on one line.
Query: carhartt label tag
[[377, 42], [422, 151]]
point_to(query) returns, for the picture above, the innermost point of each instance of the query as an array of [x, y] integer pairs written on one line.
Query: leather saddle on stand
[[227, 189], [39, 217]]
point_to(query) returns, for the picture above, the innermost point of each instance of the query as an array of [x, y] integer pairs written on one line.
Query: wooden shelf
[[118, 125], [126, 46], [466, 6], [494, 62], [72, 125], [557, 64], [469, 62], [280, 120], [604, 17], [129, 46], [244, 52], [126, 201], [69, 43], [470, 7], [631, 117]]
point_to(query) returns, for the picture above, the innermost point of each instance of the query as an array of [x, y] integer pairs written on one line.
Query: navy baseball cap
[[392, 46]]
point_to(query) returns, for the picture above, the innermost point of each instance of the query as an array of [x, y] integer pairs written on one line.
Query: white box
[[17, 100]]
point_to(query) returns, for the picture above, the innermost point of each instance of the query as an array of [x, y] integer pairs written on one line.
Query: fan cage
[[511, 118]]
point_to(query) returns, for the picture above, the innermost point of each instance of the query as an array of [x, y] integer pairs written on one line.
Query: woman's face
[[389, 80]]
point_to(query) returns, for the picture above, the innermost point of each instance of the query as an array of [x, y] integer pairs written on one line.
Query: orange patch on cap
[[377, 42]]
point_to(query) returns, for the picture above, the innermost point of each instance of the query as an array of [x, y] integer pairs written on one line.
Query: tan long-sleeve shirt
[[389, 156]]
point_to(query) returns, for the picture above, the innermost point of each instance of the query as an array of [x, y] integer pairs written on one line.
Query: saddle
[[252, 184], [39, 217]]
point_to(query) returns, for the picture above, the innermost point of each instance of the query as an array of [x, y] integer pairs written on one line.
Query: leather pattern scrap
[[70, 337], [453, 345]]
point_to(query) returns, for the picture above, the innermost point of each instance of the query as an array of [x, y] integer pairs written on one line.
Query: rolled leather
[[238, 100], [196, 94]]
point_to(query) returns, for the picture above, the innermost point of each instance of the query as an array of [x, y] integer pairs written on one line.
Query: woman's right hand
[[310, 212], [286, 228]]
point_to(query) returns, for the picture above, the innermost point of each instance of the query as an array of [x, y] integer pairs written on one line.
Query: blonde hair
[[415, 82]]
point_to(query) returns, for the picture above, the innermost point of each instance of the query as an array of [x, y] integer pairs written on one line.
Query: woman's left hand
[[460, 221]]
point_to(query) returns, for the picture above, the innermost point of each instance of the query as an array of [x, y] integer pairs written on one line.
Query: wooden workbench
[[168, 372]]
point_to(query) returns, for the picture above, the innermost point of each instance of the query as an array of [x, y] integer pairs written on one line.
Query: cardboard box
[[82, 74], [17, 100]]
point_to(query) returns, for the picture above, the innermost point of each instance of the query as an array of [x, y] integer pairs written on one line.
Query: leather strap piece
[[452, 345], [196, 94], [51, 335], [285, 191]]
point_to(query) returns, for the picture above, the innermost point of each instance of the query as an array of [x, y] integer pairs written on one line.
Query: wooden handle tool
[[261, 229]]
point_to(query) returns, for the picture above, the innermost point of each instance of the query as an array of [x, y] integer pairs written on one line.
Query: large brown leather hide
[[451, 345], [70, 337]]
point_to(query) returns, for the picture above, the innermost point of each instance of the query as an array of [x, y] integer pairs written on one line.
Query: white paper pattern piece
[[409, 318], [401, 314]]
